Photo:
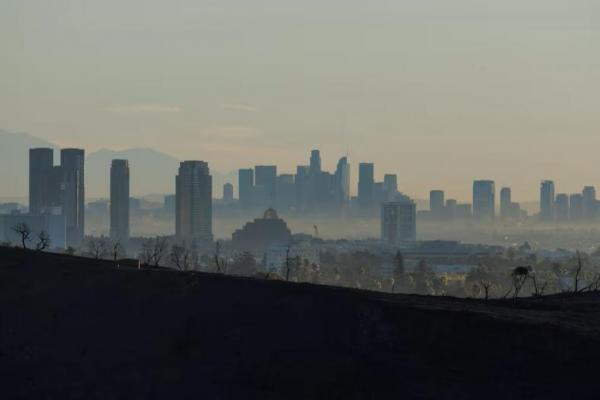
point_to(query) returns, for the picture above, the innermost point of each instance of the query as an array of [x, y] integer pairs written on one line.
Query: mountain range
[[151, 172]]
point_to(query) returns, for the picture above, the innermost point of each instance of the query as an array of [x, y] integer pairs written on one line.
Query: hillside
[[78, 328]]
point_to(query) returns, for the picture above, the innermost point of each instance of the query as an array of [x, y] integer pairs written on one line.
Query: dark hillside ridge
[[77, 328]]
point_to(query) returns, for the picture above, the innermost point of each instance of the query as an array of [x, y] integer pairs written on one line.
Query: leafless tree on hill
[[43, 241], [24, 232]]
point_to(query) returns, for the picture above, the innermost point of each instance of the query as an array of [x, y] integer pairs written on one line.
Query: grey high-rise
[[266, 177], [245, 187], [484, 200], [547, 201], [41, 162], [505, 202], [193, 208], [436, 203], [342, 181], [366, 181], [72, 163], [119, 200]]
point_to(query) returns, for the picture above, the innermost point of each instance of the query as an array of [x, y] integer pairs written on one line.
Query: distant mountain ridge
[[151, 171]]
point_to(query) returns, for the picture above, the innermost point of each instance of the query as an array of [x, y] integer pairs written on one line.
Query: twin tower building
[[60, 190]]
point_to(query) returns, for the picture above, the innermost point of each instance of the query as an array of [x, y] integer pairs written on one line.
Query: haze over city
[[275, 199], [439, 94]]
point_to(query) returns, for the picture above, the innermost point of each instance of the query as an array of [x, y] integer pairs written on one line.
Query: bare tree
[[287, 263], [577, 273], [97, 247], [117, 250], [43, 241], [220, 262], [181, 257], [154, 250], [519, 276], [24, 232]]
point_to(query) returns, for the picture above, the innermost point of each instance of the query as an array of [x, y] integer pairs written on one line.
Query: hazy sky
[[440, 92]]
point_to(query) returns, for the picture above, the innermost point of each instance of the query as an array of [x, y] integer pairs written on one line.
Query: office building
[[265, 176], [398, 222], [561, 207], [576, 207], [119, 200], [436, 203], [286, 192], [589, 203], [366, 181], [245, 187], [505, 202], [72, 163], [193, 191], [390, 186], [227, 193], [342, 181], [41, 163], [484, 200], [547, 201]]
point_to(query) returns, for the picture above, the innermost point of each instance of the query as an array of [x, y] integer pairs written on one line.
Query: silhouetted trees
[[43, 241], [24, 233], [154, 250]]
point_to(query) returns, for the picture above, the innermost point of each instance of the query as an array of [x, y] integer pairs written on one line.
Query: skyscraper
[[286, 192], [342, 181], [193, 191], [119, 200], [390, 186], [484, 200], [366, 181], [561, 207], [576, 207], [245, 187], [547, 200], [398, 222], [315, 162], [436, 203], [41, 162], [266, 177], [72, 163], [302, 187], [505, 202], [228, 193], [589, 203]]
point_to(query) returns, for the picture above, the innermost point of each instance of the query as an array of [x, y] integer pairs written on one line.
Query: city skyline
[[439, 91]]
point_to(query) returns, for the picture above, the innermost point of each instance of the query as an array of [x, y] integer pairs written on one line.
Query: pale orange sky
[[440, 93]]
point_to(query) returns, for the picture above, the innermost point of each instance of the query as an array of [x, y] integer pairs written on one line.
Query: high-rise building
[[169, 203], [561, 207], [589, 203], [505, 201], [484, 200], [193, 191], [451, 209], [286, 192], [227, 193], [302, 187], [266, 176], [366, 181], [119, 200], [547, 200], [245, 187], [436, 203], [342, 181], [315, 162], [398, 222], [464, 211], [41, 163], [576, 207], [390, 186], [72, 163]]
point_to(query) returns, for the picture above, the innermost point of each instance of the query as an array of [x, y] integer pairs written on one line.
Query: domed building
[[258, 235]]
